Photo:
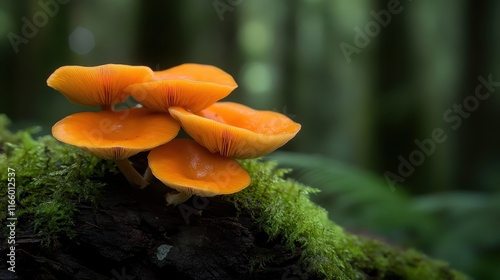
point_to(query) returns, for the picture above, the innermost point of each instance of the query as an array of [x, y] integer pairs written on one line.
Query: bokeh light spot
[[255, 37], [81, 41], [258, 77]]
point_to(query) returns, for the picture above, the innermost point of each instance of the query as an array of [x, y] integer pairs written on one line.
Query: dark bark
[[128, 233]]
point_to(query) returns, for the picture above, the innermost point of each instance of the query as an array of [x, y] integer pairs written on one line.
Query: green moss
[[283, 210], [52, 177]]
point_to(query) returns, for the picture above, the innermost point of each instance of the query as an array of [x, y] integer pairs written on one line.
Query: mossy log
[[133, 235], [77, 218]]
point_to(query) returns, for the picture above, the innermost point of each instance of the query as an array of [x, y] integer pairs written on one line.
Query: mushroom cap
[[191, 86], [116, 134], [98, 85], [184, 165], [235, 130]]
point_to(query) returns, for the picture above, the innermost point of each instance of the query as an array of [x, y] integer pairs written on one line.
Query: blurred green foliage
[[365, 109], [441, 224]]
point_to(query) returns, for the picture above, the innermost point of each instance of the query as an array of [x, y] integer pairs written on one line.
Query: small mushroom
[[237, 131], [184, 165], [191, 86], [118, 135], [99, 85]]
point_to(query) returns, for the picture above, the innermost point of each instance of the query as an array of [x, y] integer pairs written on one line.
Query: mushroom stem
[[133, 177], [177, 198], [148, 175], [107, 107]]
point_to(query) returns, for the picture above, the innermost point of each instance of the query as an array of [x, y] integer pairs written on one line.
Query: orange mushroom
[[118, 135], [191, 86], [235, 130], [99, 85], [184, 165]]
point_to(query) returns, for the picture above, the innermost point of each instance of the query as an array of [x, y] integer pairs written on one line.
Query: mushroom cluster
[[184, 96]]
